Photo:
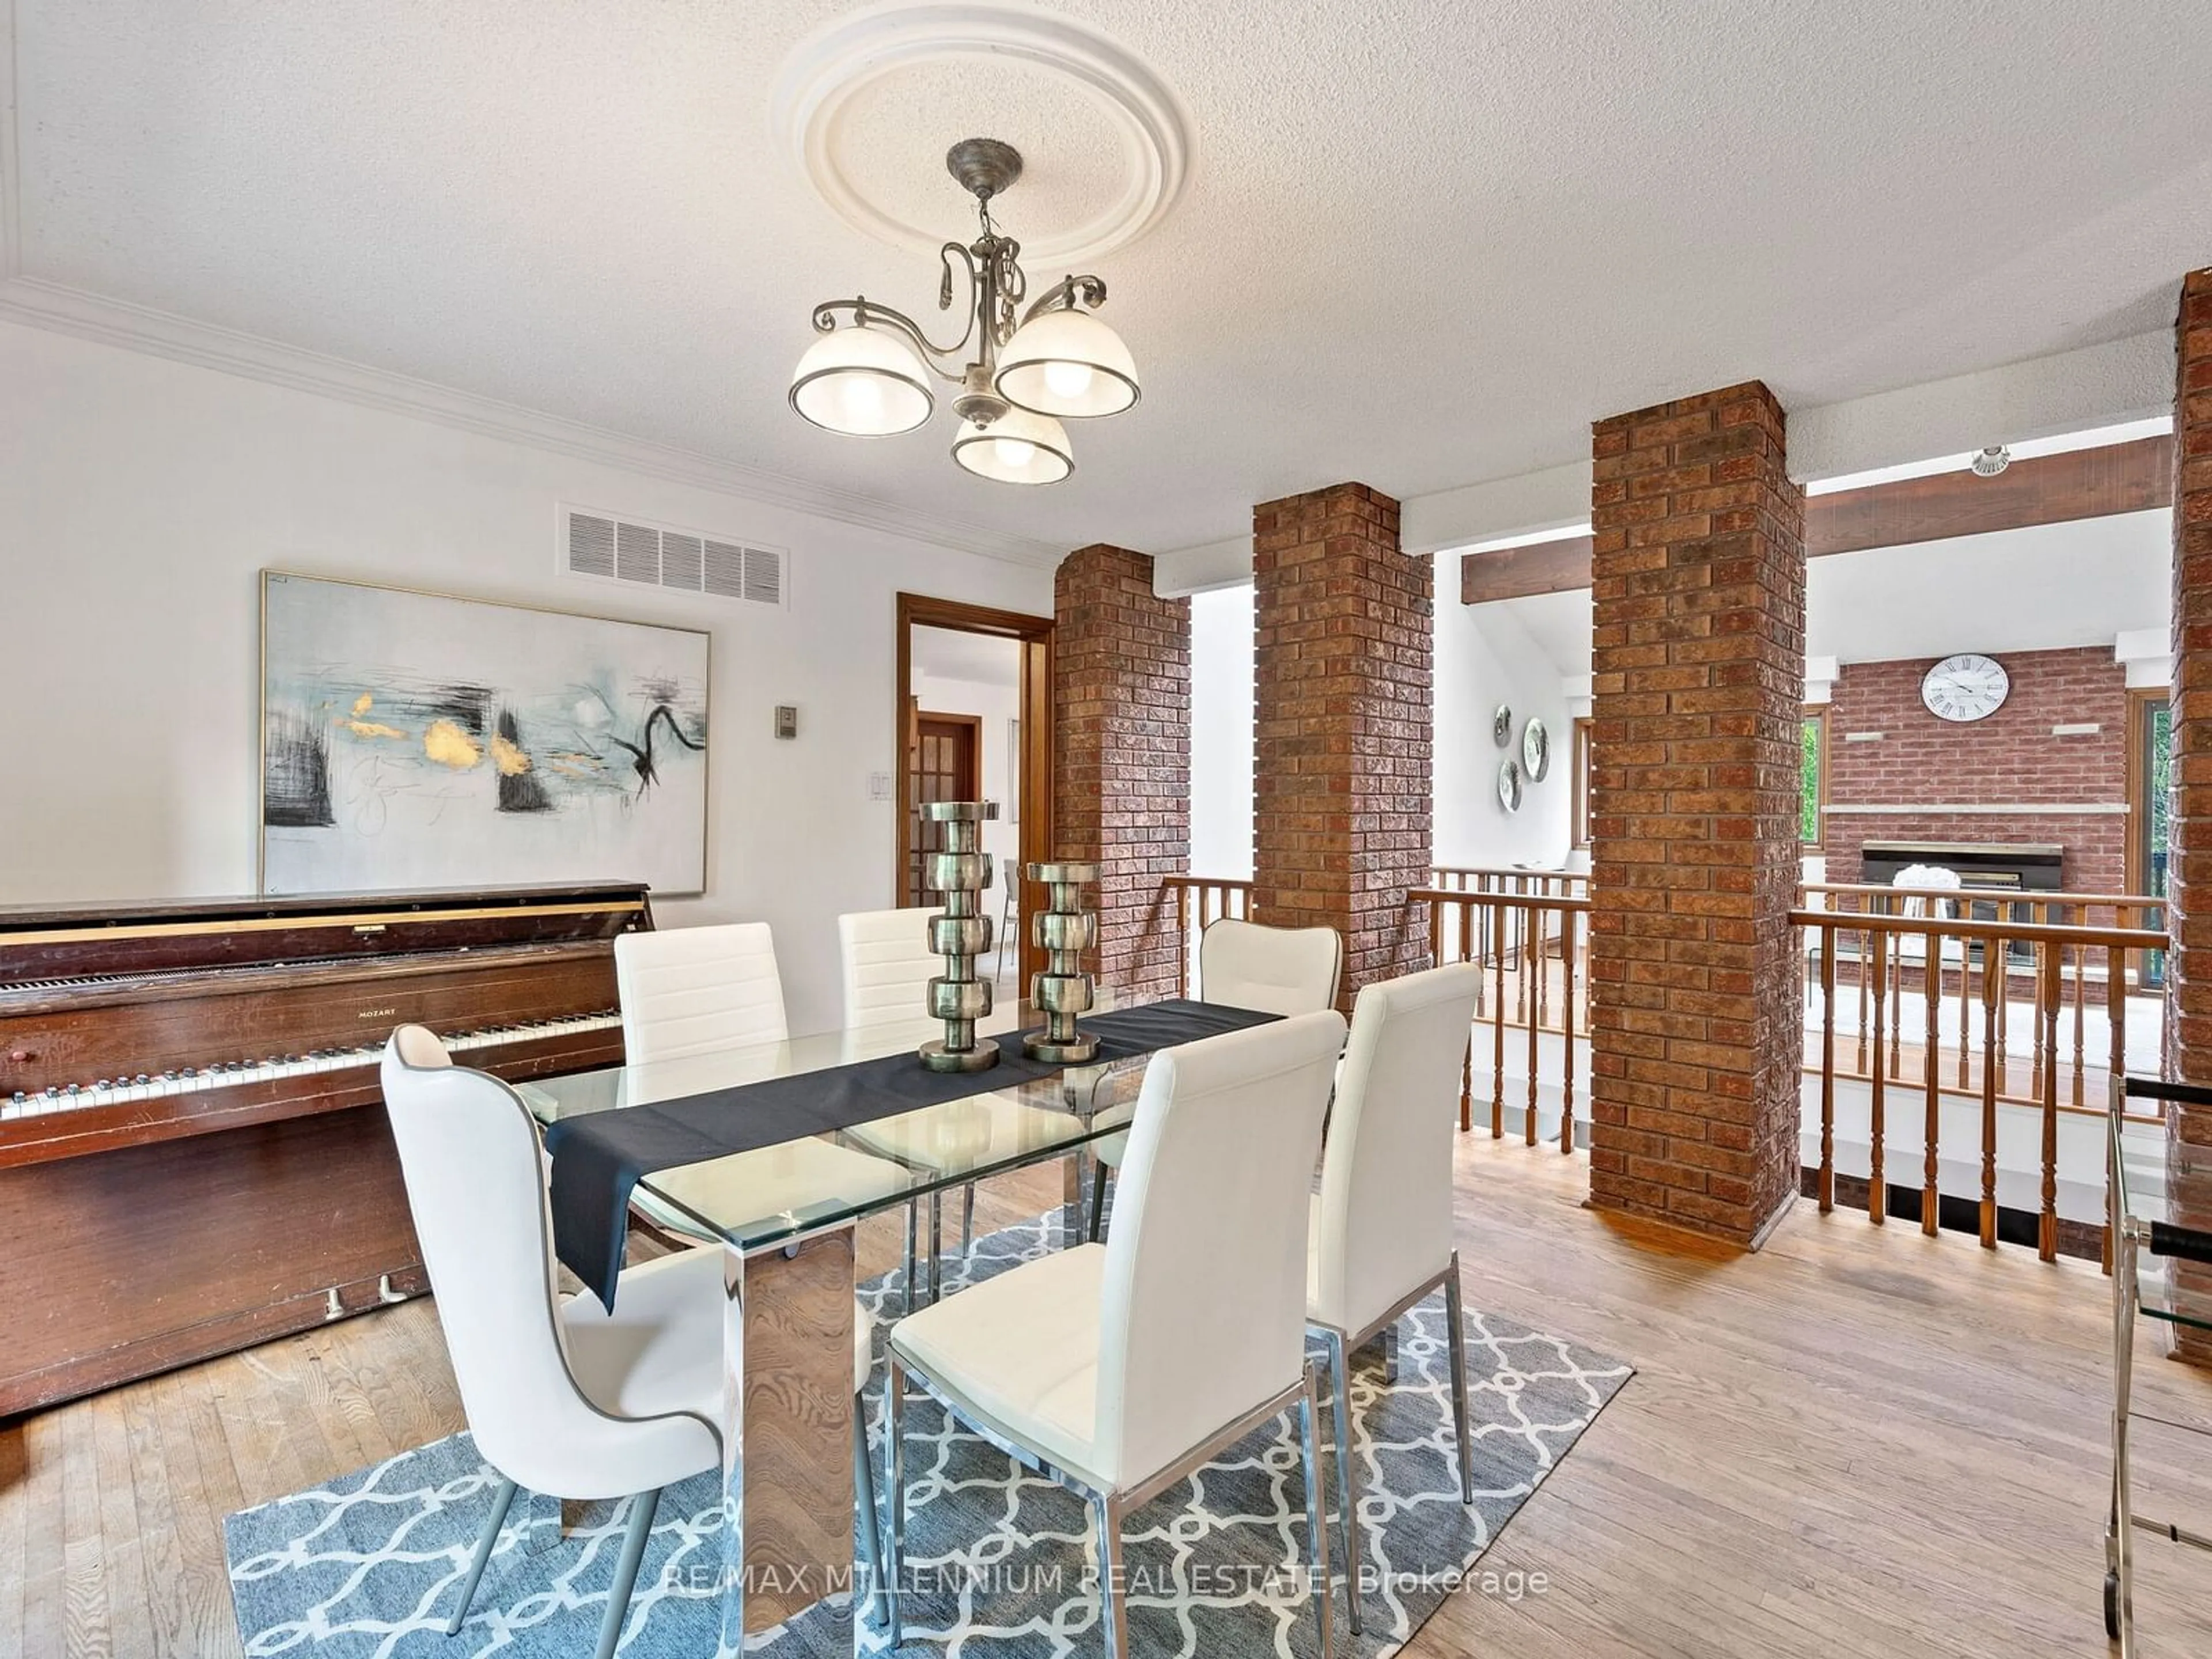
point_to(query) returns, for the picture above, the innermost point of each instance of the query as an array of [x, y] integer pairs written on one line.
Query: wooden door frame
[[1037, 835]]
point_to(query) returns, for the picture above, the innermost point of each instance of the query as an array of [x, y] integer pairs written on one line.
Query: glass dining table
[[785, 1217]]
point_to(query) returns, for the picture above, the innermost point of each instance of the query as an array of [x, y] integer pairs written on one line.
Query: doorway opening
[[974, 723]]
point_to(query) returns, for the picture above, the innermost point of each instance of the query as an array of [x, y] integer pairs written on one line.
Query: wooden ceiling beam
[[2081, 483], [1510, 573]]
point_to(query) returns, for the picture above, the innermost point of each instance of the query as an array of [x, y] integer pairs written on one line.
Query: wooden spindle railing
[[1200, 901], [1902, 955], [1530, 945], [2044, 969]]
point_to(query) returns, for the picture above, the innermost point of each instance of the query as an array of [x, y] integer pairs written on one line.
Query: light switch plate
[[879, 786], [786, 720]]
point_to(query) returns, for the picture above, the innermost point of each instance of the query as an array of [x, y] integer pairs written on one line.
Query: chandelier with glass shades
[[1033, 367]]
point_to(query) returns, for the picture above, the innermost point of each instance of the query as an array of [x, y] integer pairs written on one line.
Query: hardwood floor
[[1860, 1441]]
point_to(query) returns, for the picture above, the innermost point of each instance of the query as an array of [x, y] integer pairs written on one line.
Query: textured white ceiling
[[1423, 244]]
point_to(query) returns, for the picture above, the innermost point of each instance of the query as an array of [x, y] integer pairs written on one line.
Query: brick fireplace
[[1930, 780]]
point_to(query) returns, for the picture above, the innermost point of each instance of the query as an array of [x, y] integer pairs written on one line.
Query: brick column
[[1342, 689], [1120, 786], [2189, 861], [1698, 686]]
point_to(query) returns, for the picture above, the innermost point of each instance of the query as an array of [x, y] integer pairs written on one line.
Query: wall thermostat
[[786, 720]]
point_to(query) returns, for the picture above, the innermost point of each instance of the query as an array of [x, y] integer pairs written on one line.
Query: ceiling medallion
[[1032, 368], [828, 74]]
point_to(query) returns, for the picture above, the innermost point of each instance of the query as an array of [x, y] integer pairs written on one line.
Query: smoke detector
[[1992, 461]]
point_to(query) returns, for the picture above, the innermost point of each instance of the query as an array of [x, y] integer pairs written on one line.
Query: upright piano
[[193, 1152]]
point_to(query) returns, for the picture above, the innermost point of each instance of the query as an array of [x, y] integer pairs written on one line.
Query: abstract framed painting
[[417, 740]]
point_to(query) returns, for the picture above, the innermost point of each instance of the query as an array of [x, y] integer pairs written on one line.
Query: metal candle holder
[[1065, 930], [959, 933]]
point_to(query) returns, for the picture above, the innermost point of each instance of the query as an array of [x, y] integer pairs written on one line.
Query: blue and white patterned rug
[[1001, 1564]]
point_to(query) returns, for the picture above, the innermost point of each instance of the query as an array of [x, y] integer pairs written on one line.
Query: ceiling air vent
[[612, 548], [591, 545], [637, 553]]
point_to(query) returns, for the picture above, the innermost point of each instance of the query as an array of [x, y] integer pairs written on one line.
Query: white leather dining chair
[[560, 1395], [1381, 1236], [1276, 970], [688, 991], [886, 965], [1116, 1370], [1245, 964]]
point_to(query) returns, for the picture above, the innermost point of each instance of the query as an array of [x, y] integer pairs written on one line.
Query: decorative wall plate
[[1535, 750], [1501, 726], [1509, 784]]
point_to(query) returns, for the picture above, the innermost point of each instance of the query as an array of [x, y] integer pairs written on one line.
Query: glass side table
[[2162, 1271]]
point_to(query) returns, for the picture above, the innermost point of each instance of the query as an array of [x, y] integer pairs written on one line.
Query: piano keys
[[193, 1153]]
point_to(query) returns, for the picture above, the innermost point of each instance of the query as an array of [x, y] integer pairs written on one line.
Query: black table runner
[[599, 1157]]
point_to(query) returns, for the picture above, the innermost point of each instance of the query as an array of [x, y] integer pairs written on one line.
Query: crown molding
[[65, 310]]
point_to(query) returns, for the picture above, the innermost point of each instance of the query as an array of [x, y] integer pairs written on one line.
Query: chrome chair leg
[[1390, 1354], [502, 1501], [1455, 1318], [895, 1474], [641, 1508], [1097, 1200], [1113, 1585], [864, 1493], [1347, 1475], [968, 1222], [1316, 1524]]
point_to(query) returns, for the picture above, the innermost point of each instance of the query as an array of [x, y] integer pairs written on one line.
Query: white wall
[[997, 701], [1484, 656], [1221, 732], [140, 497], [2042, 588]]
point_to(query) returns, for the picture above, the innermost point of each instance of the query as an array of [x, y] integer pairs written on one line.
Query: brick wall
[[1697, 681], [2010, 757], [1122, 772], [2189, 868], [1342, 691]]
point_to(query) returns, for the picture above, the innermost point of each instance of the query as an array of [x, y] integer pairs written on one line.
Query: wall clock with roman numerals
[[1965, 688]]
